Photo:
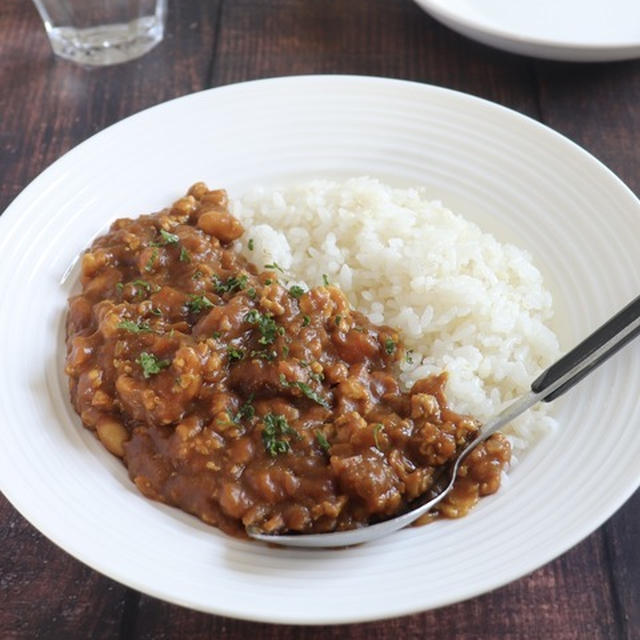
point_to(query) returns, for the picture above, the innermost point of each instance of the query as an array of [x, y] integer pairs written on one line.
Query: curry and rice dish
[[249, 401]]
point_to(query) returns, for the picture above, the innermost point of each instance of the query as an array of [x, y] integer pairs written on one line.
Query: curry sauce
[[247, 402]]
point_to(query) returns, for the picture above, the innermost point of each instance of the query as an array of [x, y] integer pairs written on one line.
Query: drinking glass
[[102, 32]]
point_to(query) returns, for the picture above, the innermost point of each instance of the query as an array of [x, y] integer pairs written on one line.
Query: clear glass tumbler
[[102, 32]]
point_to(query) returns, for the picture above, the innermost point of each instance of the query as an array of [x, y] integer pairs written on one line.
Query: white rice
[[464, 302]]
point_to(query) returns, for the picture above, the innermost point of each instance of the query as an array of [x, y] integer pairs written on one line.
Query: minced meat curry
[[246, 402]]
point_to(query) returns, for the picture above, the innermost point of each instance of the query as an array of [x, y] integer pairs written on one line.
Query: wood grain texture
[[370, 37], [44, 593], [566, 600], [47, 106], [597, 106]]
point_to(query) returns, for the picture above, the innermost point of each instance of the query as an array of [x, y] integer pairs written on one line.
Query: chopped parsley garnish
[[142, 284], [376, 429], [295, 291], [285, 351], [135, 327], [311, 394], [198, 303], [306, 320], [230, 284], [184, 255], [251, 293], [156, 312], [264, 354], [234, 354], [119, 287], [389, 346], [197, 274], [325, 279], [268, 281], [253, 316], [169, 238], [250, 244], [151, 260], [322, 441], [246, 411], [151, 364], [338, 319], [216, 335], [274, 266], [266, 325], [275, 432], [408, 356]]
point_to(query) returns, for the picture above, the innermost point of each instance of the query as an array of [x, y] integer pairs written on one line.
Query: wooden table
[[47, 106]]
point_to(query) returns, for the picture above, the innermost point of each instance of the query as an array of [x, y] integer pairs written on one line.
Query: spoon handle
[[590, 353]]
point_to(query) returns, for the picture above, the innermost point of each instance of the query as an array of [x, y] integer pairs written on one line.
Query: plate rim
[[514, 42], [578, 534]]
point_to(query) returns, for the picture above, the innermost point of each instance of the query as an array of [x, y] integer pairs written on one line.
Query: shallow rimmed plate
[[570, 30], [518, 178]]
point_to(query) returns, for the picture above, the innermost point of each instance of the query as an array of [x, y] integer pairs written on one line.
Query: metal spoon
[[553, 382]]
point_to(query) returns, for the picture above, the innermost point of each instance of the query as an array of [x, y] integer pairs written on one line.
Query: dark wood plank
[[49, 105], [598, 106], [47, 594], [622, 533], [566, 600], [371, 37]]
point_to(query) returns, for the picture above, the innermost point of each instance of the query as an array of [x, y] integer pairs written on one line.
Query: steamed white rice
[[464, 302]]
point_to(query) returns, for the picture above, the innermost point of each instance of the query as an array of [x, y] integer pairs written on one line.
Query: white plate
[[522, 180], [571, 30]]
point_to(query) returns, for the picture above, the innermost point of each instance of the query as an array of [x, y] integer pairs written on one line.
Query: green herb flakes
[[234, 354], [276, 433], [295, 291], [135, 327], [199, 303], [142, 284], [306, 320], [325, 279], [311, 394], [151, 364], [322, 441], [184, 255], [266, 325], [169, 238], [250, 244], [151, 260], [230, 284], [389, 346], [274, 266], [245, 412]]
